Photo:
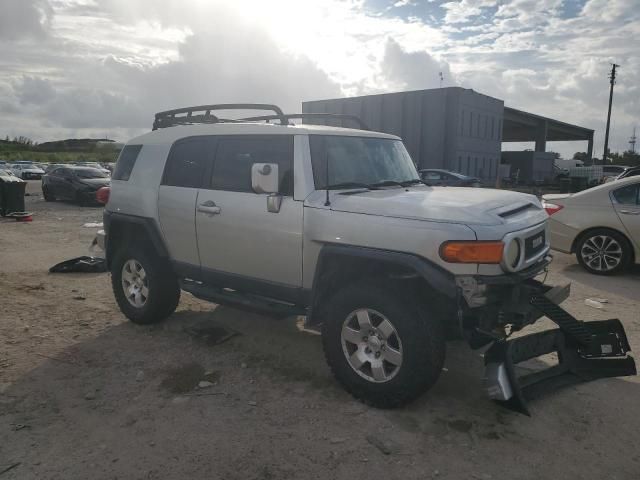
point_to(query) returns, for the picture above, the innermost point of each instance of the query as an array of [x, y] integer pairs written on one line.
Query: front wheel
[[144, 286], [382, 346], [603, 252], [48, 197]]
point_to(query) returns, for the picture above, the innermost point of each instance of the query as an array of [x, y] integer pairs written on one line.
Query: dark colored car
[[629, 172], [434, 176], [78, 184]]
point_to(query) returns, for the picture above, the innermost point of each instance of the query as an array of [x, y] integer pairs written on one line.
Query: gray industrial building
[[457, 129]]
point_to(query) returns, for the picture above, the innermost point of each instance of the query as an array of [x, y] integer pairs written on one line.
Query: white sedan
[[600, 225]]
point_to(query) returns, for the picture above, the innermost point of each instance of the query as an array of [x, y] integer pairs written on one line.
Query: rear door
[[187, 164], [626, 201], [241, 244]]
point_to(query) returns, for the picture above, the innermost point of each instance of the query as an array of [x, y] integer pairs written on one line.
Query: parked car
[[27, 171], [629, 172], [382, 264], [610, 172], [4, 172], [78, 184], [601, 225], [447, 178]]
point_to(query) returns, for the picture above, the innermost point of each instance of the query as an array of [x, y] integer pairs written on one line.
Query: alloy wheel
[[134, 283], [371, 345], [601, 252]]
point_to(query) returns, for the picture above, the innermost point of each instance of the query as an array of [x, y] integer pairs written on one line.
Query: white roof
[[171, 134]]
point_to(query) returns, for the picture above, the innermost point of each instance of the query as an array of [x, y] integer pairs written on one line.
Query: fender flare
[[436, 277], [147, 224]]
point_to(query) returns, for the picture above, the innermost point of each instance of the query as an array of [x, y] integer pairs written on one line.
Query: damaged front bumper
[[584, 351], [491, 309]]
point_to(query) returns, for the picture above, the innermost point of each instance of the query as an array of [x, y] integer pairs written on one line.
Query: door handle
[[209, 207], [630, 212]]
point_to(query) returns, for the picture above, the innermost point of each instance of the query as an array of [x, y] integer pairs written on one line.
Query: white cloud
[[80, 66]]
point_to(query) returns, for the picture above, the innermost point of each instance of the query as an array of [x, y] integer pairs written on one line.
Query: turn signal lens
[[472, 252], [551, 208], [102, 195]]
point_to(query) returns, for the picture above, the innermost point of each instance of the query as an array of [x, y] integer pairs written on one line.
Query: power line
[[612, 81]]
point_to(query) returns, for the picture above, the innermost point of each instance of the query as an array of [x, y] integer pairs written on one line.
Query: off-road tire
[[420, 331], [164, 291], [625, 256]]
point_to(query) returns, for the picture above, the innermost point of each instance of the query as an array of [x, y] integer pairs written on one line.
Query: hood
[[469, 206], [32, 170]]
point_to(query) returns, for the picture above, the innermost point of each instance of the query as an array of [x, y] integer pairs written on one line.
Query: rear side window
[[628, 195], [126, 161], [187, 163], [236, 155]]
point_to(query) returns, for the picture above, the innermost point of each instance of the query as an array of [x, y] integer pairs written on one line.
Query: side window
[[432, 176], [236, 155], [187, 163], [126, 161], [628, 195]]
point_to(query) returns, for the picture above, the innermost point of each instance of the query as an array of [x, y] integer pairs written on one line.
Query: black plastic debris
[[81, 265]]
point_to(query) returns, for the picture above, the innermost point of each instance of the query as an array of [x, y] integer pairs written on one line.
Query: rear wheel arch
[[129, 230], [586, 232]]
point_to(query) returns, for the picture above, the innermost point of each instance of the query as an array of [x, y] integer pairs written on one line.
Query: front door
[[242, 245], [627, 205]]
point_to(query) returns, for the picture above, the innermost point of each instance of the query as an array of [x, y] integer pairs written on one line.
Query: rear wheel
[[381, 345], [603, 252], [144, 286]]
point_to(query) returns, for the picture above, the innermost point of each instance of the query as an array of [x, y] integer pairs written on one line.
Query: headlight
[[512, 254]]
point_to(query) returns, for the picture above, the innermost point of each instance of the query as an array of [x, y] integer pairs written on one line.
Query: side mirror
[[264, 177]]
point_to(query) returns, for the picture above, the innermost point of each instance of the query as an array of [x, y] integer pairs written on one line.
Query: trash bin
[[11, 194]]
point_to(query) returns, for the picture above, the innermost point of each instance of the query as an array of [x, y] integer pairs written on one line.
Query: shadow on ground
[[126, 404]]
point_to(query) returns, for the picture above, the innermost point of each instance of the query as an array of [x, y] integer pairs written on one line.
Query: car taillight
[[551, 208], [102, 195]]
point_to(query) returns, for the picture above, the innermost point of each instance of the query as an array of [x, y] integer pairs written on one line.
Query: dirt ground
[[86, 394]]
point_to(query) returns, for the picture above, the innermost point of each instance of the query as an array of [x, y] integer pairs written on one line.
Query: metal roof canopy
[[522, 126]]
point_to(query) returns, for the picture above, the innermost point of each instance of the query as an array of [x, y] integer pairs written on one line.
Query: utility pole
[[441, 79], [612, 81], [632, 141]]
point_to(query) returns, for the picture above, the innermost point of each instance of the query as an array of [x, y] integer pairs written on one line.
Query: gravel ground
[[86, 394]]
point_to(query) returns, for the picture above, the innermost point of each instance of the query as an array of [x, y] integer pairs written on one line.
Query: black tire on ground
[[421, 334], [48, 197], [587, 239], [163, 289]]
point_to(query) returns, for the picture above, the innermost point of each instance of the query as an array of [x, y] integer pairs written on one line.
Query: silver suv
[[336, 225]]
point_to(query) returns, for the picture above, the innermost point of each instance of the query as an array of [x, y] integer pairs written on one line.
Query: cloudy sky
[[78, 68]]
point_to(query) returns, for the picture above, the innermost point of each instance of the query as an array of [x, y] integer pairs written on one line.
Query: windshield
[[359, 160], [89, 173]]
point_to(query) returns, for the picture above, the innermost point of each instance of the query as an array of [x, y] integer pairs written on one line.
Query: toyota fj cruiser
[[336, 225]]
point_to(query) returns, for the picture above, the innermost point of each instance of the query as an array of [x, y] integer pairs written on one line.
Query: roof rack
[[331, 116], [169, 118]]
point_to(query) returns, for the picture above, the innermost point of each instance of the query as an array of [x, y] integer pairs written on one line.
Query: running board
[[245, 301]]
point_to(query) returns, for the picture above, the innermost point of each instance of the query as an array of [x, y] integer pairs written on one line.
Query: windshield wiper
[[414, 181], [339, 186]]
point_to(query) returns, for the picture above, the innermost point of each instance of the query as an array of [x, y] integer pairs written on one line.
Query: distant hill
[[60, 151]]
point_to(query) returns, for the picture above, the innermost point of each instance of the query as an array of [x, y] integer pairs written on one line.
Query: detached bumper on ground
[[585, 351]]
